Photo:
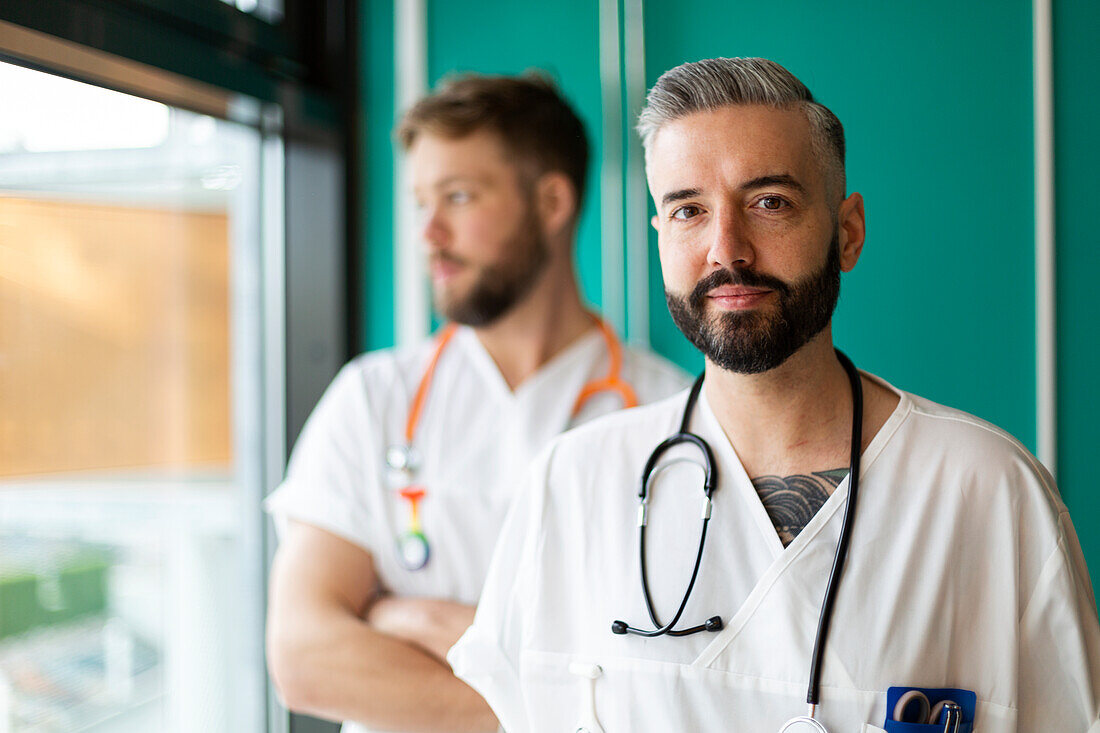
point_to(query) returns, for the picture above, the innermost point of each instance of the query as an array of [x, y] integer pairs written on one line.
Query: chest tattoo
[[792, 501]]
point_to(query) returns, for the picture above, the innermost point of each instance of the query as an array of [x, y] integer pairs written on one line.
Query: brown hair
[[535, 123]]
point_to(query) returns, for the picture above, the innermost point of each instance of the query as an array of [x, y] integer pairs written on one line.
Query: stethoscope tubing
[[813, 692], [668, 628], [710, 481], [832, 587], [611, 382]]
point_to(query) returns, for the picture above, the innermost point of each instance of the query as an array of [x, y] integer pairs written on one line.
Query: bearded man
[[897, 564], [400, 480]]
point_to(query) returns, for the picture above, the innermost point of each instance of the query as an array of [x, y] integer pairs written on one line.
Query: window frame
[[211, 58]]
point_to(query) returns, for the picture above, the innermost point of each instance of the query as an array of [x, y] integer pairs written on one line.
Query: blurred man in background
[[400, 481]]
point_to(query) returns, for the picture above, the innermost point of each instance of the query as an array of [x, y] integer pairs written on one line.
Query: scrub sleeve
[[327, 471]]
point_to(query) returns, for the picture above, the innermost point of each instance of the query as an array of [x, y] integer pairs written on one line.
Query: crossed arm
[[385, 671]]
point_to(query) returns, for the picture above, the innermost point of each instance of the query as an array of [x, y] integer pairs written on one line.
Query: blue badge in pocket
[[926, 710]]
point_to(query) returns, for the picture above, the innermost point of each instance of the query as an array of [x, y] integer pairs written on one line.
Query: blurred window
[[130, 422]]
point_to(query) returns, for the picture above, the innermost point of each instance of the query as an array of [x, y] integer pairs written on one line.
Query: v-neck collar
[[549, 373], [782, 557], [730, 461]]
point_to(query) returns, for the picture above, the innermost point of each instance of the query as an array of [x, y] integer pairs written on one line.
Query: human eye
[[459, 196], [771, 203], [683, 213]]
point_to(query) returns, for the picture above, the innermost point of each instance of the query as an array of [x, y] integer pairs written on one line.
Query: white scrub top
[[476, 438], [963, 571]]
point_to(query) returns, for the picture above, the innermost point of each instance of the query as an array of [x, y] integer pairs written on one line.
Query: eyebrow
[[683, 193], [448, 181], [456, 179], [779, 179]]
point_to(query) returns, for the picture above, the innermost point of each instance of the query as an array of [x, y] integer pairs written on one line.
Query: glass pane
[[130, 572]]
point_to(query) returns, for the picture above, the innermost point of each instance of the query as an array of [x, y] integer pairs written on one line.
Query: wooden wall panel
[[114, 338]]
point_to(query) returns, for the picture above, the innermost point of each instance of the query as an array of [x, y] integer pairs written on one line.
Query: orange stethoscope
[[413, 549]]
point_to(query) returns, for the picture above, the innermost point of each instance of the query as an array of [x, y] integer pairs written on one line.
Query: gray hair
[[710, 84]]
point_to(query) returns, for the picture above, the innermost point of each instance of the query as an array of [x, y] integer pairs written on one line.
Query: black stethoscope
[[710, 481]]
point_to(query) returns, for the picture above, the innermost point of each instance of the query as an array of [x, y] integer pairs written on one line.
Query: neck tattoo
[[792, 501]]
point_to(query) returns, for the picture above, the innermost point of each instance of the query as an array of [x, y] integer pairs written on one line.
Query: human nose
[[433, 229], [730, 245]]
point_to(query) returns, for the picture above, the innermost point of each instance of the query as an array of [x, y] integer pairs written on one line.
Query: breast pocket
[[575, 692], [636, 695]]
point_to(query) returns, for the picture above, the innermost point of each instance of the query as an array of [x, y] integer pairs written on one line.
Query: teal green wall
[[1077, 160], [376, 121]]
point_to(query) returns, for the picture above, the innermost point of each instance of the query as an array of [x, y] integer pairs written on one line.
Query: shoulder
[[390, 362], [370, 386], [381, 370], [980, 437], [976, 452], [615, 438], [583, 471]]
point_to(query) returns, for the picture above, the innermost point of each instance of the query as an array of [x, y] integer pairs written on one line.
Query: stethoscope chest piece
[[402, 458], [588, 674], [412, 549], [803, 724]]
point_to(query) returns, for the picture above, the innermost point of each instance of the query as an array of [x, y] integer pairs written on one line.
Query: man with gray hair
[[894, 563]]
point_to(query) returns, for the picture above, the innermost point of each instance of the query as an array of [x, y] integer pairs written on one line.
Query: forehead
[[729, 145], [481, 155]]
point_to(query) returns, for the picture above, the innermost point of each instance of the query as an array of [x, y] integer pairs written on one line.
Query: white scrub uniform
[[963, 571], [476, 438]]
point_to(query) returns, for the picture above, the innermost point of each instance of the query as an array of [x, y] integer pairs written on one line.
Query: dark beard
[[499, 287], [752, 342]]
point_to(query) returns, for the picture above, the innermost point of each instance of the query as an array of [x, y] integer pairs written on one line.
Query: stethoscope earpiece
[[714, 623]]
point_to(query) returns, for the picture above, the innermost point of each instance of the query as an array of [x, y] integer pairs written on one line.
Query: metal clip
[[953, 715], [706, 507]]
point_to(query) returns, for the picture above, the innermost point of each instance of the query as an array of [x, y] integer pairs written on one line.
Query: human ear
[[852, 230], [555, 201]]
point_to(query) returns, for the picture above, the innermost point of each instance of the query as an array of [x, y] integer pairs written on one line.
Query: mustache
[[748, 278], [446, 257]]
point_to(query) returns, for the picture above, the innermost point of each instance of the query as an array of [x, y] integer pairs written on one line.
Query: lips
[[735, 291], [737, 297], [444, 268]]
